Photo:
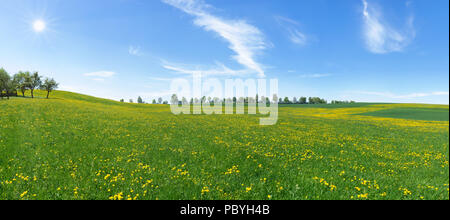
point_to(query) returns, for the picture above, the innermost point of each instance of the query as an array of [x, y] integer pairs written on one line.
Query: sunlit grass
[[78, 147]]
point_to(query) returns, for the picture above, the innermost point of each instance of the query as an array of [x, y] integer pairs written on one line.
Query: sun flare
[[39, 26]]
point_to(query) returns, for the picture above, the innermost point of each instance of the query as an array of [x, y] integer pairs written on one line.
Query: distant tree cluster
[[257, 99], [302, 100], [23, 81], [245, 100], [141, 101], [342, 102]]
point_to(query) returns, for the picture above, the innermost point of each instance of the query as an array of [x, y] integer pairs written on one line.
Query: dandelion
[[23, 194], [363, 196], [205, 190]]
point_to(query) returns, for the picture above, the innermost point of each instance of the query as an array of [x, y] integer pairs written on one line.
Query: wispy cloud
[[217, 70], [317, 75], [244, 39], [379, 35], [406, 96], [292, 28], [102, 74], [135, 51]]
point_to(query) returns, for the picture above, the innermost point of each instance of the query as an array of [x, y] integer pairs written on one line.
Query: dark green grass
[[428, 114], [331, 106]]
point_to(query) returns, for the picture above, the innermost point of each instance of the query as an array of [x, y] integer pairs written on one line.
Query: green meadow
[[430, 114], [73, 146]]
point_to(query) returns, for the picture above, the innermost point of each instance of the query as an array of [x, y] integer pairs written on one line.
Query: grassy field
[[78, 147], [430, 114]]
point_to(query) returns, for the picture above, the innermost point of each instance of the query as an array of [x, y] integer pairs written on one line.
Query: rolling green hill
[[73, 146], [430, 114]]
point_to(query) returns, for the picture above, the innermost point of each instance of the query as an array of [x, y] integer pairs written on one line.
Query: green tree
[[22, 80], [154, 101], [139, 100], [11, 88], [174, 99], [302, 100], [49, 85], [34, 82], [275, 99], [4, 82], [184, 101]]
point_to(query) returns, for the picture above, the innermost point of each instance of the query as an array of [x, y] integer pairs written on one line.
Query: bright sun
[[39, 25]]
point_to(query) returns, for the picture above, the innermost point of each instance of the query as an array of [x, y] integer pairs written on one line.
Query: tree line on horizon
[[23, 81], [246, 100]]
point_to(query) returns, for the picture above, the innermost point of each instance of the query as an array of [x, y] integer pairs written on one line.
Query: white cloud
[[407, 96], [294, 34], [297, 37], [380, 37], [102, 74], [135, 51], [440, 93], [244, 39], [317, 75], [217, 70]]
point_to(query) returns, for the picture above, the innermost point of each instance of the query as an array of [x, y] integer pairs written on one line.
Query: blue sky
[[363, 50]]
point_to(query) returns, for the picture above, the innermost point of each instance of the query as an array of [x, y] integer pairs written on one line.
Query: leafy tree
[[174, 100], [154, 101], [11, 88], [49, 85], [122, 100], [131, 100], [5, 82], [286, 100], [295, 100], [160, 100], [139, 100], [317, 100], [22, 79], [302, 100], [34, 82], [184, 101]]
